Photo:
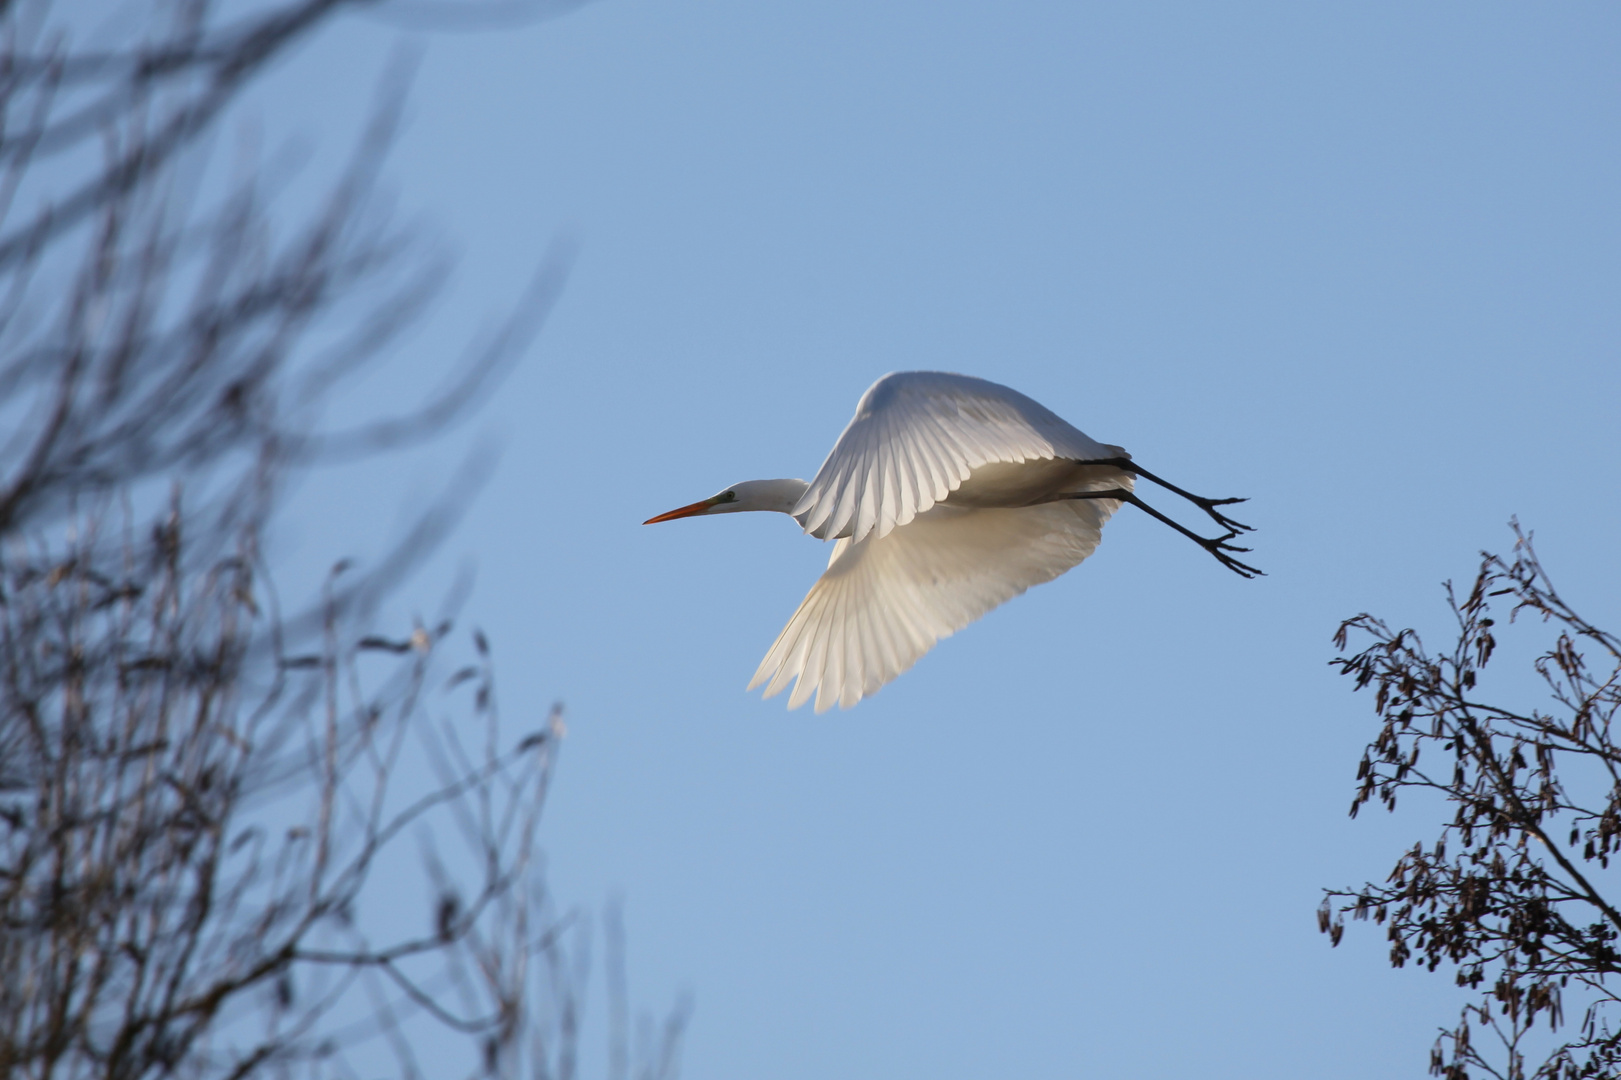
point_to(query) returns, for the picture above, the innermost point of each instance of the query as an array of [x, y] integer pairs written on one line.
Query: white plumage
[[946, 496], [915, 437], [884, 601]]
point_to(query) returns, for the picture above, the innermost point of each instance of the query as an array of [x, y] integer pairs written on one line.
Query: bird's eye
[[728, 496]]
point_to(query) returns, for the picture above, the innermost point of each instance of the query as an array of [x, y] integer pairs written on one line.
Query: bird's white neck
[[777, 496]]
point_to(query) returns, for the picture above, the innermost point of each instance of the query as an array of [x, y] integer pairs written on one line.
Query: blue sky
[[1359, 264]]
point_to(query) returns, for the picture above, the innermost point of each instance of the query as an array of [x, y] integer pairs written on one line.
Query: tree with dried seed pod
[[1512, 895]]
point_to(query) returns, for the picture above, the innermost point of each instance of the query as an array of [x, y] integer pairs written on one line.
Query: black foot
[[1221, 549], [1216, 545], [1207, 505]]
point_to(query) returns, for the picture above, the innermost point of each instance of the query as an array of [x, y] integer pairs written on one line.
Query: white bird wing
[[886, 600], [915, 437]]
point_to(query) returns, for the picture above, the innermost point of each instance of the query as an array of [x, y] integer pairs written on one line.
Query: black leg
[[1217, 545], [1207, 505]]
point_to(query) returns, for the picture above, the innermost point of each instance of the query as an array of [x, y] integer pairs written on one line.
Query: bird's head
[[774, 495]]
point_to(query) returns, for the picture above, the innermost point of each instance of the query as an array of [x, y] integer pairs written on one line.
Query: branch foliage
[[1514, 894]]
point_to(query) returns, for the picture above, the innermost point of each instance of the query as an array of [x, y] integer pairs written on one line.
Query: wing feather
[[889, 466], [884, 601], [915, 438], [914, 477]]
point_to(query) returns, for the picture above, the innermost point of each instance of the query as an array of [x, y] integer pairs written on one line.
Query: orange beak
[[682, 511]]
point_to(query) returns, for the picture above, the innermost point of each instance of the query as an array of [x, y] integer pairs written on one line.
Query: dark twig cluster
[[164, 912], [1514, 893]]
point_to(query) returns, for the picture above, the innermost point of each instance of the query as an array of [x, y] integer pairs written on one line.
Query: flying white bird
[[945, 496]]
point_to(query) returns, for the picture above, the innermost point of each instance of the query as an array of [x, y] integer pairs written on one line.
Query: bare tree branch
[[199, 788]]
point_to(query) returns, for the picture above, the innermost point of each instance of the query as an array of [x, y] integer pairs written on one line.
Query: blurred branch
[[140, 907], [481, 372], [199, 790], [439, 16], [205, 68]]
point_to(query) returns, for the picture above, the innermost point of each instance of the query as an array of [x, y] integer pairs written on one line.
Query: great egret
[[945, 496]]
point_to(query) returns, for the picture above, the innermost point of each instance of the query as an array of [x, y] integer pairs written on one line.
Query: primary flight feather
[[945, 496]]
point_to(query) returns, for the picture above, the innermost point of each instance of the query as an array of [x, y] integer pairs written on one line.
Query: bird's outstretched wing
[[884, 601], [915, 437]]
